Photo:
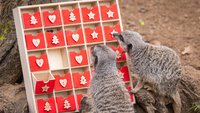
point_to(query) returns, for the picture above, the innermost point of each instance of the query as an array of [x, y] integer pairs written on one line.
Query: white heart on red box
[[79, 59], [36, 42], [63, 82], [52, 18], [40, 62], [75, 37]]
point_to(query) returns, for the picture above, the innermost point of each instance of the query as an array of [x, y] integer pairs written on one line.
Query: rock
[[187, 50], [13, 99], [10, 66]]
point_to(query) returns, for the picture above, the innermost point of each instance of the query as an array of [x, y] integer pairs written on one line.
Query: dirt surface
[[173, 23]]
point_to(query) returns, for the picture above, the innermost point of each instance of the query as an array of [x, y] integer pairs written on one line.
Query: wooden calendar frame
[[45, 62]]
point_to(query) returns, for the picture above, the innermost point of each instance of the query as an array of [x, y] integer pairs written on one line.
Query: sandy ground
[[173, 23]]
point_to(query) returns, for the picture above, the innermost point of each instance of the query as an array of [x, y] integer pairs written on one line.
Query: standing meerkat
[[107, 90], [157, 66]]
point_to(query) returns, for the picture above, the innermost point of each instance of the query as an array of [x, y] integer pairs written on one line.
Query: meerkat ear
[[118, 36], [129, 47]]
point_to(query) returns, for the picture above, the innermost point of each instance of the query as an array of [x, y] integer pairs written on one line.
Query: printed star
[[113, 32], [110, 14], [94, 35], [45, 88], [91, 15], [118, 54]]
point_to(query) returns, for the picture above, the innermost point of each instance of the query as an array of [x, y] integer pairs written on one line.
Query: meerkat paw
[[177, 103], [148, 88]]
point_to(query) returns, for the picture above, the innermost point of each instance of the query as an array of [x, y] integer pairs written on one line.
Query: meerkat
[[157, 66], [107, 90]]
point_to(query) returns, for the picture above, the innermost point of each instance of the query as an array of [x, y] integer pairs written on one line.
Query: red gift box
[[52, 18], [90, 15], [79, 98], [32, 21], [74, 38], [54, 40], [109, 12], [94, 35], [46, 106], [71, 17], [120, 54], [109, 32], [38, 64], [41, 86], [35, 42], [66, 104], [63, 83], [131, 95], [78, 59], [81, 80], [125, 73]]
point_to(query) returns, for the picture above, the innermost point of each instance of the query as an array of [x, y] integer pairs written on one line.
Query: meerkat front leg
[[138, 86], [176, 102]]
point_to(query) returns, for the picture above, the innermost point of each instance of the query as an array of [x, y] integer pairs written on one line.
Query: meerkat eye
[[129, 47]]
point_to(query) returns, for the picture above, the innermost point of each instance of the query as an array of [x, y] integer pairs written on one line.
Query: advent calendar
[[54, 43]]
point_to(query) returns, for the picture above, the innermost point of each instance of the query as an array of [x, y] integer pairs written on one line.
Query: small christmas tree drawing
[[83, 80], [67, 104], [72, 17], [33, 20], [47, 107], [55, 40]]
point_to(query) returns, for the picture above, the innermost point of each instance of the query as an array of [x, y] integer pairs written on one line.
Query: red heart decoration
[[121, 56], [34, 66], [50, 37], [131, 95], [105, 11], [52, 19], [74, 13], [79, 98], [125, 72], [59, 86], [42, 104], [35, 42], [62, 103], [27, 20], [40, 84], [89, 37], [74, 57], [86, 11], [108, 32], [71, 41], [81, 80]]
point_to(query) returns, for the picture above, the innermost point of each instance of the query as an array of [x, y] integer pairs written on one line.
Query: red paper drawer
[[46, 106], [43, 83], [90, 15], [35, 42], [121, 56], [63, 83], [94, 35], [71, 17], [78, 59], [81, 80], [38, 64], [66, 104], [55, 40], [109, 32], [109, 12], [131, 95], [124, 71], [74, 38], [79, 98], [52, 19], [32, 21]]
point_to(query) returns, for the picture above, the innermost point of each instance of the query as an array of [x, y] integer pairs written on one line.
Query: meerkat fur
[[157, 66], [107, 90]]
